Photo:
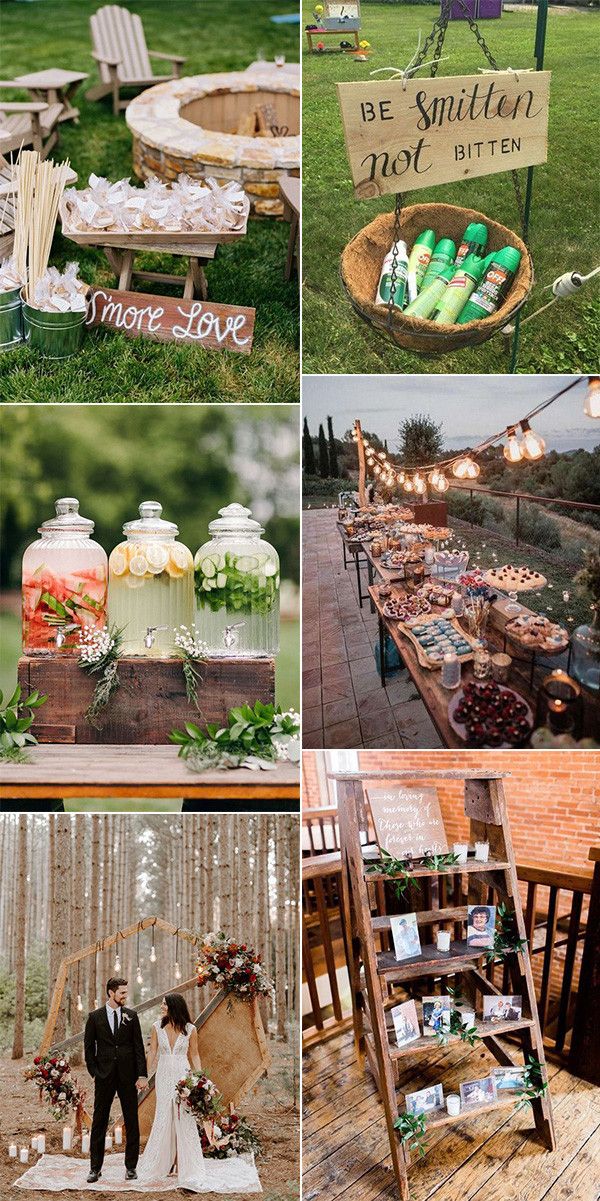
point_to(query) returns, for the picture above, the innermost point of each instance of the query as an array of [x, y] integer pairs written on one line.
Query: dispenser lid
[[235, 519], [67, 517], [150, 521]]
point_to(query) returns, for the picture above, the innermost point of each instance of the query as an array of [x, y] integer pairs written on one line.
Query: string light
[[177, 972], [117, 964], [591, 405], [138, 975], [419, 484], [153, 949], [434, 476], [408, 485], [465, 468], [512, 452], [442, 483], [533, 445]]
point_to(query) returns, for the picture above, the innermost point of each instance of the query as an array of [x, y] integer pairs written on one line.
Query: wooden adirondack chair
[[27, 123], [119, 48]]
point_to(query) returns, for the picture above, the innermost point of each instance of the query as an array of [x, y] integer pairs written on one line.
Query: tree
[[323, 455], [308, 451], [333, 464], [19, 1029], [420, 441]]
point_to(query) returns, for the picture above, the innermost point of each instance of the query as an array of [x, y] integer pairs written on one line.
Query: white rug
[[55, 1173]]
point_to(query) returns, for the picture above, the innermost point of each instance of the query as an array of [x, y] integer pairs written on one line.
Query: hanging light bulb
[[591, 406], [441, 483], [381, 454], [419, 484], [401, 476], [533, 445], [512, 452], [117, 964], [377, 469], [152, 956], [138, 975], [459, 469], [177, 972], [473, 468], [408, 485], [434, 476], [79, 1004]]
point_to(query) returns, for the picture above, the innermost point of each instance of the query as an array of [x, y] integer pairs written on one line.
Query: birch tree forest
[[69, 882]]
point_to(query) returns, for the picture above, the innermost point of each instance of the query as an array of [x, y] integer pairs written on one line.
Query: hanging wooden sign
[[433, 131], [169, 319], [408, 821]]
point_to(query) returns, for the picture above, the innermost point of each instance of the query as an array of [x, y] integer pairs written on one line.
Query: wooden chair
[[119, 48], [28, 123]]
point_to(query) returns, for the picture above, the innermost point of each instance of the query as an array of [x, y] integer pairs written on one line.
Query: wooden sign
[[408, 821], [168, 319], [431, 131]]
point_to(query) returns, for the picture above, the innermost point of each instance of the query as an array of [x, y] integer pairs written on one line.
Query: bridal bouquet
[[52, 1075], [233, 966], [228, 1135], [199, 1094]]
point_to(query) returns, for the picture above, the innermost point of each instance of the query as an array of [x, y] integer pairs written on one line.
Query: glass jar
[[237, 587], [585, 659], [64, 582], [481, 661], [150, 584]]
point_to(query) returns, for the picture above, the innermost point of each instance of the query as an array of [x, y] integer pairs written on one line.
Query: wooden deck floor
[[496, 1157]]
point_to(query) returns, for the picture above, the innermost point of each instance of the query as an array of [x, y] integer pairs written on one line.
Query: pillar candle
[[118, 1136], [24, 1155], [482, 851], [12, 1151], [443, 940], [461, 850], [67, 1138], [108, 1143], [85, 1143], [41, 1144], [453, 1104], [34, 1142]]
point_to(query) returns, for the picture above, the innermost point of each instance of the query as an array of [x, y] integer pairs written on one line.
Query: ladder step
[[472, 865], [425, 917], [440, 1117], [427, 1043], [430, 962]]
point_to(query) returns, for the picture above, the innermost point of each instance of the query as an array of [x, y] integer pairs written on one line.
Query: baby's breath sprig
[[99, 652], [191, 650]]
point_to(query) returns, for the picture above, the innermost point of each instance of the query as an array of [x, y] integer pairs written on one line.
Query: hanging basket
[[362, 260]]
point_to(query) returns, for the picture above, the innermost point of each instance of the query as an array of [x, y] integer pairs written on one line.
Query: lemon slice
[[118, 563], [181, 557], [157, 558], [138, 565]]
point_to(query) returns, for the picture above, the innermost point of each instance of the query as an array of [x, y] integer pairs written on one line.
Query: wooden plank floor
[[495, 1157]]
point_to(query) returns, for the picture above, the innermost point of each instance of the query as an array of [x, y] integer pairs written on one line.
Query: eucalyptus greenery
[[412, 1130], [192, 651], [439, 862], [534, 1085], [253, 736], [398, 870], [16, 720], [99, 655], [506, 937]]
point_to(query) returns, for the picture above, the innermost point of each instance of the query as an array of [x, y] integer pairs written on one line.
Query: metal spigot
[[150, 637], [229, 638], [62, 632]]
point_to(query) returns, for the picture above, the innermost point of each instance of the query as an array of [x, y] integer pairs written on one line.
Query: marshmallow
[[189, 205]]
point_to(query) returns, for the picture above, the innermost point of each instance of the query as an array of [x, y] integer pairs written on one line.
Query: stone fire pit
[[181, 127]]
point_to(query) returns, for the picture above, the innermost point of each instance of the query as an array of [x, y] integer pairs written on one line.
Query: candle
[[41, 1144], [24, 1155], [559, 704], [34, 1143], [443, 940], [482, 851], [453, 1104], [501, 665], [458, 603], [118, 1136], [67, 1138], [12, 1151], [108, 1143], [461, 850], [85, 1143]]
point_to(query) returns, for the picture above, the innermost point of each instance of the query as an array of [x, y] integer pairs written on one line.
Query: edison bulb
[[591, 406], [533, 445], [441, 483], [419, 485], [408, 486], [433, 477], [472, 469], [459, 469], [512, 452]]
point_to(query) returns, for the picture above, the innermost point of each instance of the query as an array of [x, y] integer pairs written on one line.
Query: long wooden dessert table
[[524, 676], [54, 773]]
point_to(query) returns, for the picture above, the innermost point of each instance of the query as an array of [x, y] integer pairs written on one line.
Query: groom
[[115, 1058]]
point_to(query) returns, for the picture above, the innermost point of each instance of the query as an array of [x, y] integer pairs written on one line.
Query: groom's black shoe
[[131, 1174], [93, 1177]]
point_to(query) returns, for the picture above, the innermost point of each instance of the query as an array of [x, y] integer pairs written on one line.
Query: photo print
[[509, 1079], [405, 933], [436, 1014], [406, 1023], [481, 923], [502, 1009], [425, 1100], [478, 1092]]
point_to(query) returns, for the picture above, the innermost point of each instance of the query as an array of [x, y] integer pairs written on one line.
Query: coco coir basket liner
[[363, 257]]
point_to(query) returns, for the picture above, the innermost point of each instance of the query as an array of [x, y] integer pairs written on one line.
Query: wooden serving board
[[422, 657]]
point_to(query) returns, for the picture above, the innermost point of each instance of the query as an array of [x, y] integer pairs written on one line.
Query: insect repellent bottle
[[474, 241], [385, 279], [418, 262], [443, 256], [429, 297], [500, 270], [463, 282]]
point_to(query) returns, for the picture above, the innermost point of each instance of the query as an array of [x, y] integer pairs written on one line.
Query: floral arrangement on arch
[[232, 966], [52, 1076]]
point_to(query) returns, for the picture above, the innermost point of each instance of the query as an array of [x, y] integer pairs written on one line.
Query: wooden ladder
[[375, 972]]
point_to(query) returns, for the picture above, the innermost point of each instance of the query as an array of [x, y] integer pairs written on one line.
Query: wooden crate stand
[[374, 972]]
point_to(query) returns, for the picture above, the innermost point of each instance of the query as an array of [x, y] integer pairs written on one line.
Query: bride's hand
[[141, 1084]]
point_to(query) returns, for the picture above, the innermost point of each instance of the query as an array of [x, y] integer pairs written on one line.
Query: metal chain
[[394, 276]]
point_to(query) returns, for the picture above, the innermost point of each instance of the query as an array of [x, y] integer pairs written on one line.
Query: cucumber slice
[[247, 563], [208, 568], [270, 568]]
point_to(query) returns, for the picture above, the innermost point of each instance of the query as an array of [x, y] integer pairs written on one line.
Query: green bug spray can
[[442, 256], [418, 262], [501, 268], [385, 279], [429, 297], [463, 282], [474, 241]]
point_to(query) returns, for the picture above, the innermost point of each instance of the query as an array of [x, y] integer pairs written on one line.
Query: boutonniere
[[126, 1017]]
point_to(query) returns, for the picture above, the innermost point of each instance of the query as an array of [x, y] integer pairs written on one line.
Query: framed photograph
[[406, 1023], [481, 922], [408, 821], [509, 1079], [502, 1009], [405, 933], [478, 1092], [425, 1100], [436, 1014]]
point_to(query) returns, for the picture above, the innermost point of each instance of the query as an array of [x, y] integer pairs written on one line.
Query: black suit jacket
[[105, 1054]]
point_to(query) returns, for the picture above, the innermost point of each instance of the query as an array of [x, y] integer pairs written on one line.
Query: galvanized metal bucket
[[11, 324], [54, 335]]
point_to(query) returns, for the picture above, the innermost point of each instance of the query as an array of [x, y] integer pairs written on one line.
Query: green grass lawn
[[215, 35], [564, 232]]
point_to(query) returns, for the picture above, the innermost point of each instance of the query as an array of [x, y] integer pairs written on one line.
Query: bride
[[174, 1149]]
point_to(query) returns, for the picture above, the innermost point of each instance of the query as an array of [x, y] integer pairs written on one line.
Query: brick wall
[[553, 797]]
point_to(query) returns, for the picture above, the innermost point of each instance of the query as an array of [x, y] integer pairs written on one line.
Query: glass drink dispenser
[[237, 587], [65, 575]]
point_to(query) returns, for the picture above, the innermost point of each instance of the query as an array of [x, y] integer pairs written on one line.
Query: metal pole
[[517, 526], [538, 50]]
